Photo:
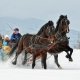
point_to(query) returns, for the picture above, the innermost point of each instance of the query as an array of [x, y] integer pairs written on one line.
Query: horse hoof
[[14, 63], [60, 67], [24, 62], [71, 60], [67, 56], [32, 67]]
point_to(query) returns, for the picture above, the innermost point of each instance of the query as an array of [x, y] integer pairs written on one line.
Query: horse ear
[[61, 16], [66, 16], [50, 23]]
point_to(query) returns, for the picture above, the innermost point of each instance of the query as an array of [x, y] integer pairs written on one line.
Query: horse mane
[[58, 22], [49, 23]]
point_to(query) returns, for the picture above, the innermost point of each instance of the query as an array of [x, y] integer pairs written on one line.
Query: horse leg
[[44, 57], [56, 61], [33, 63], [69, 55], [71, 51], [42, 64], [25, 58], [16, 56]]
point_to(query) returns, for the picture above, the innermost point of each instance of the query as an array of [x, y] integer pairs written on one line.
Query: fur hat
[[6, 38]]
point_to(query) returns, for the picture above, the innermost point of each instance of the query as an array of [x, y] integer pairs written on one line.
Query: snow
[[69, 71], [64, 62]]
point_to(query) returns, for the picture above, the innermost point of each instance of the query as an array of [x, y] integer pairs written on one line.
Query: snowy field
[[65, 64], [69, 71]]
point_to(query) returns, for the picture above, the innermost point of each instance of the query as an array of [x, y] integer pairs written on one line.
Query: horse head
[[50, 27], [46, 30], [63, 24]]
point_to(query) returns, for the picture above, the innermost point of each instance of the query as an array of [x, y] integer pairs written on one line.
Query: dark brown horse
[[63, 42], [41, 51]]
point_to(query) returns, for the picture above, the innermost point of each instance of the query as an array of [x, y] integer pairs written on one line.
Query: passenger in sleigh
[[6, 48], [6, 40]]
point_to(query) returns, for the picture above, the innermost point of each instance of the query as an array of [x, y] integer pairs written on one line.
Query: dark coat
[[15, 37]]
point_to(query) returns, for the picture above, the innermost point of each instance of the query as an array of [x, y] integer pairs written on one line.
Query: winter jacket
[[15, 37]]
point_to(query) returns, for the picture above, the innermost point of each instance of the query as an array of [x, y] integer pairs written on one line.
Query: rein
[[33, 39]]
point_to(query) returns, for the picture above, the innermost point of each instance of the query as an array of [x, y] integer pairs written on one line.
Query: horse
[[26, 39], [60, 35], [40, 50]]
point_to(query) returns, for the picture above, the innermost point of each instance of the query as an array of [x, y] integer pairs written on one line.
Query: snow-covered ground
[[70, 71], [65, 64]]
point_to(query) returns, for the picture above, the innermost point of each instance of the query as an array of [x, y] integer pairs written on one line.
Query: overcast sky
[[42, 9]]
